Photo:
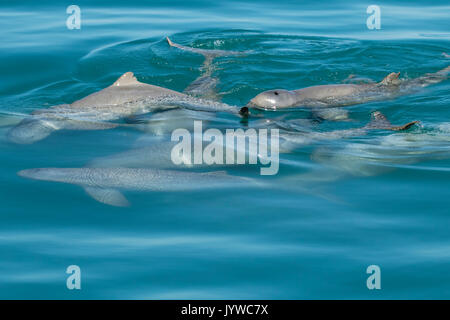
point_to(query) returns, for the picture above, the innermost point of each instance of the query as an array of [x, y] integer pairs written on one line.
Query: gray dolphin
[[378, 122], [334, 95], [126, 96], [103, 184], [158, 153], [386, 153]]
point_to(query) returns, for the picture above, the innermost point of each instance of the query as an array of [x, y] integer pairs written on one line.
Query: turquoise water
[[380, 199]]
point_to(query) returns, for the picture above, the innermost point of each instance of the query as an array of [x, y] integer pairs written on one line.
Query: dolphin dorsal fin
[[391, 78], [379, 121], [127, 79]]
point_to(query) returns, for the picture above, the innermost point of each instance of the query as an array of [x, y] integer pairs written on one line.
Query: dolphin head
[[273, 100], [47, 174], [30, 130]]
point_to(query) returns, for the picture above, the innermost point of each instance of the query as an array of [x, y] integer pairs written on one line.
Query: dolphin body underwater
[[378, 122], [125, 97], [158, 154], [103, 184], [337, 95]]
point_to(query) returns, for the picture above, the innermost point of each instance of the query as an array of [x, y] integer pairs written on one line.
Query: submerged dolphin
[[126, 96], [378, 122], [334, 95], [386, 153], [164, 122], [103, 184], [158, 153]]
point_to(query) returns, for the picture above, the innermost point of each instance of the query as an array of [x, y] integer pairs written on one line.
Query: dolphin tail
[[379, 121], [208, 54], [205, 85], [108, 196]]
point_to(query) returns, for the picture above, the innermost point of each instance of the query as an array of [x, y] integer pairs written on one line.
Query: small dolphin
[[386, 153], [378, 122], [335, 95], [103, 184], [158, 153]]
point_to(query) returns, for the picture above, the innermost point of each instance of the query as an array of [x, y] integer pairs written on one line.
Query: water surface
[[378, 199]]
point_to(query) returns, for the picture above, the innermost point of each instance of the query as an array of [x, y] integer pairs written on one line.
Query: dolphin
[[378, 122], [104, 184], [386, 153], [336, 95], [158, 153], [125, 97]]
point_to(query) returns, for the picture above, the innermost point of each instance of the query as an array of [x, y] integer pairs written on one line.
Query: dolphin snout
[[251, 104], [41, 173], [29, 173], [244, 111]]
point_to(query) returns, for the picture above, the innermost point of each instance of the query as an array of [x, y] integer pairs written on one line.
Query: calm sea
[[381, 199]]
